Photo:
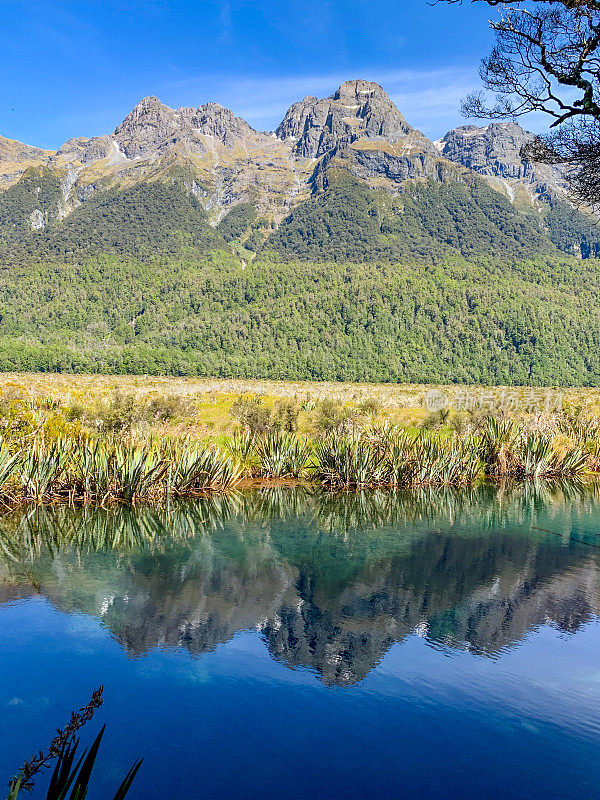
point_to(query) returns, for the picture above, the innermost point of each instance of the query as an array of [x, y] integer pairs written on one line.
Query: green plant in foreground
[[193, 468], [497, 444], [242, 446], [507, 449], [394, 458], [348, 460], [9, 463], [137, 470], [70, 779], [96, 469], [41, 467], [93, 468]]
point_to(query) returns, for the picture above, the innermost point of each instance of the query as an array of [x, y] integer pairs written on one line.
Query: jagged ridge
[[222, 162]]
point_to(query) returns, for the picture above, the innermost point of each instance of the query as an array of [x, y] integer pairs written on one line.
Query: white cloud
[[429, 99]]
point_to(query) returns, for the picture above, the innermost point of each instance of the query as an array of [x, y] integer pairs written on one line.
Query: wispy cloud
[[225, 24], [429, 98]]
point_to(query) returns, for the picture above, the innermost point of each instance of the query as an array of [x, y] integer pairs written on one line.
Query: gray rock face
[[152, 126], [227, 160], [84, 150], [37, 220], [358, 128], [359, 109], [370, 164], [495, 151], [146, 127], [213, 119]]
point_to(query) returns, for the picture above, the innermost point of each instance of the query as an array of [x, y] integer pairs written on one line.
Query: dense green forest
[[573, 231], [442, 283], [533, 322], [138, 220], [350, 222]]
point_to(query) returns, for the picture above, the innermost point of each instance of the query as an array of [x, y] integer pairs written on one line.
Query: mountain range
[[196, 199], [247, 182]]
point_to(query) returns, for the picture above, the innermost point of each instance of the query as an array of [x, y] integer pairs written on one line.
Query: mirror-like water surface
[[285, 644]]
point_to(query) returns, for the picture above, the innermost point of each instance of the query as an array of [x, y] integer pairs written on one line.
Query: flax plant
[[138, 471], [41, 467], [196, 468], [283, 455]]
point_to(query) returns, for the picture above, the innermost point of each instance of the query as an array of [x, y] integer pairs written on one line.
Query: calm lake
[[291, 644]]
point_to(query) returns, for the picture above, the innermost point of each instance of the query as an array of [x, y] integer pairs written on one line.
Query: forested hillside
[[345, 246], [350, 222], [138, 220], [347, 221], [532, 322]]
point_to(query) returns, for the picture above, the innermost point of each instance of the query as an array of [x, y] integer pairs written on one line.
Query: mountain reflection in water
[[331, 582]]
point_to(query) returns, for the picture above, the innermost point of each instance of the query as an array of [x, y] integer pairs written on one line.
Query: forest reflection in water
[[330, 581]]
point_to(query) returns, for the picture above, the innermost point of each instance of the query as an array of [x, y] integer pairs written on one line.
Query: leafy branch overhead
[[546, 59]]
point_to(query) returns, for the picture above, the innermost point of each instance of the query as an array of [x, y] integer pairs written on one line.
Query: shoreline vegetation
[[78, 446], [99, 472]]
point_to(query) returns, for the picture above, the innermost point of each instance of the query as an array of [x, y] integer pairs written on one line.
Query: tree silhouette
[[546, 58]]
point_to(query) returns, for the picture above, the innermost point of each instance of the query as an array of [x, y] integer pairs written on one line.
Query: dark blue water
[[288, 645]]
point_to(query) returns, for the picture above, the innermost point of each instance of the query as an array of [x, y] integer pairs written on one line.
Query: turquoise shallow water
[[283, 644]]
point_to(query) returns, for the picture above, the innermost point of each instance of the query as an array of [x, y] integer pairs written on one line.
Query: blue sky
[[76, 68]]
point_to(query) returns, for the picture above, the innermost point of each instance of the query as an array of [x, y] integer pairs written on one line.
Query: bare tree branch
[[546, 58]]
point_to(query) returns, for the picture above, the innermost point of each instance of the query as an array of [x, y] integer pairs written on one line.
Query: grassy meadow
[[201, 407], [68, 438]]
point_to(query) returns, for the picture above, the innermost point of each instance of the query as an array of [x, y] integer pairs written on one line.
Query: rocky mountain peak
[[151, 124], [148, 110], [146, 126], [357, 128], [359, 109], [492, 150], [359, 91], [213, 119], [495, 152]]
